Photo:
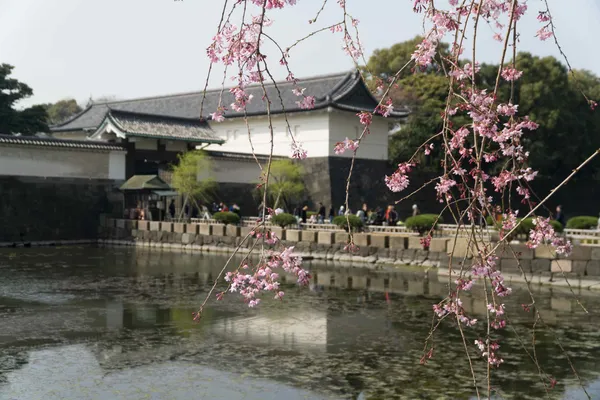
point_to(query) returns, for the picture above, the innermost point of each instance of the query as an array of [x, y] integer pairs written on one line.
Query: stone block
[[438, 245], [580, 253], [511, 265], [506, 251], [155, 226], [110, 222], [383, 253], [544, 251], [309, 236], [205, 229], [326, 237], [362, 239], [120, 223], [540, 265], [380, 241], [192, 228], [279, 232], [244, 230], [341, 237], [462, 247], [414, 242], [593, 268], [166, 226], [179, 227], [143, 226], [579, 267], [218, 229], [595, 253], [134, 233], [292, 235], [188, 238], [561, 266], [232, 230], [398, 242]]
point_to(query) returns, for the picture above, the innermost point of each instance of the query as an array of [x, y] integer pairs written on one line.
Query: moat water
[[91, 323]]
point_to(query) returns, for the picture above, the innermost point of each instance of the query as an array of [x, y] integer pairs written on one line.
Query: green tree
[[385, 63], [28, 121], [192, 178], [62, 110], [285, 182]]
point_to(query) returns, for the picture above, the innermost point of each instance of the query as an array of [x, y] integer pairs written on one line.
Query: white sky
[[134, 48]]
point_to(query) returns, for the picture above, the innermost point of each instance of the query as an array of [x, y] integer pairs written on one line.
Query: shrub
[[582, 222], [284, 220], [227, 218], [342, 221], [422, 223]]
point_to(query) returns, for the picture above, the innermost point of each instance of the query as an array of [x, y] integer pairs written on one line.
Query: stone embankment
[[541, 266]]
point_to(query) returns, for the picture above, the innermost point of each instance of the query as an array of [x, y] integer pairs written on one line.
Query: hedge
[[227, 218], [342, 222], [423, 223], [582, 222], [284, 220]]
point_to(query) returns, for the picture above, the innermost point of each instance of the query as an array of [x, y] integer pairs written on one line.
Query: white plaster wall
[[175, 146], [53, 162], [344, 124], [311, 128], [232, 171], [116, 165], [144, 144]]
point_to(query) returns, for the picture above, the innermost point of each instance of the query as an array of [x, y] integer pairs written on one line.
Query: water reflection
[[121, 319]]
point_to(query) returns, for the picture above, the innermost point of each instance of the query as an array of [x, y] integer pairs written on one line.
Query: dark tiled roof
[[141, 182], [52, 142], [242, 156], [345, 91], [163, 127]]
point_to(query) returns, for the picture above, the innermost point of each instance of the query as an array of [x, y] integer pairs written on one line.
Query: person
[[560, 217], [303, 214], [341, 210], [172, 209], [331, 214], [391, 216], [322, 213], [205, 213], [279, 210], [415, 210], [260, 209], [236, 209], [362, 213], [186, 211]]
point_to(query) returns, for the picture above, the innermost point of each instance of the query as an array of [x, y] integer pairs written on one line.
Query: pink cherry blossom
[[298, 152], [511, 74]]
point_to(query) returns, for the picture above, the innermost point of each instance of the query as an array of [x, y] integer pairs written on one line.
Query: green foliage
[[341, 221], [62, 110], [310, 214], [284, 220], [546, 92], [285, 182], [582, 222], [423, 223], [227, 218], [29, 121], [191, 177]]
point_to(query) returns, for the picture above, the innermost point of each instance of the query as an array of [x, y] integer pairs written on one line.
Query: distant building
[[156, 129]]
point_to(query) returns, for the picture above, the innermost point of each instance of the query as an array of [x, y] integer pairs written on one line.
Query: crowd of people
[[387, 216]]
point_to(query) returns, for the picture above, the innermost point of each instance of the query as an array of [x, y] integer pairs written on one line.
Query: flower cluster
[[543, 233], [453, 306], [492, 357], [263, 277], [347, 144], [398, 181]]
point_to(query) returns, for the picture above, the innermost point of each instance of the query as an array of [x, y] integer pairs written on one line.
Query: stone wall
[[38, 209], [582, 267]]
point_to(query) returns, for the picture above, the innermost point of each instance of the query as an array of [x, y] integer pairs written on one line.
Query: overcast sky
[[133, 48]]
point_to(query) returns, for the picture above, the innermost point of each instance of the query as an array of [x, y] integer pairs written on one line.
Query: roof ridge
[[196, 92], [164, 117]]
